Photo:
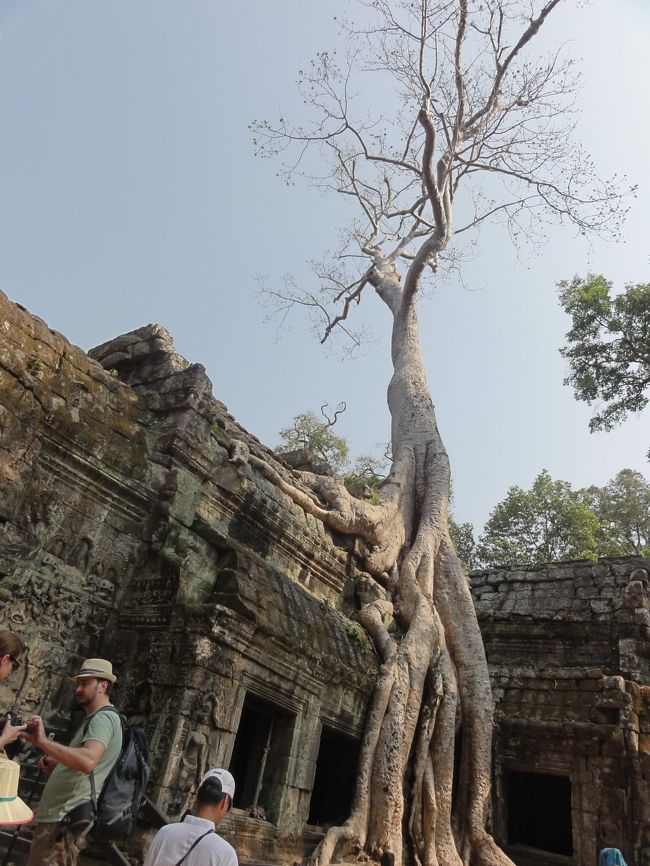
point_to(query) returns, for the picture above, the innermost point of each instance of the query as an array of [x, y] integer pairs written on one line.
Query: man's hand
[[10, 732], [83, 758], [34, 732]]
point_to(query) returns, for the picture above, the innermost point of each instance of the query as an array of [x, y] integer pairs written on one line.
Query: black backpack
[[122, 793]]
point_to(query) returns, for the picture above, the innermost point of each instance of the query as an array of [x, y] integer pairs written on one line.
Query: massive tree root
[[434, 674]]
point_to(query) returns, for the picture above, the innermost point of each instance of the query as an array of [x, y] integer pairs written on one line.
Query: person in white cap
[[95, 748], [194, 841]]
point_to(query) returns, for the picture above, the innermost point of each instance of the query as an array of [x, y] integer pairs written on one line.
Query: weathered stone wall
[[132, 527], [568, 651]]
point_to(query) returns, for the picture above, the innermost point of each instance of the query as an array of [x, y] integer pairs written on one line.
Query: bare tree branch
[[465, 109]]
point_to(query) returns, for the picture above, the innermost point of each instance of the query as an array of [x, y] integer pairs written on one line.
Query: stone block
[[586, 592], [600, 607]]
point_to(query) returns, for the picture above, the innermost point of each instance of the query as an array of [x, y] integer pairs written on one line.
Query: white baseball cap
[[226, 779]]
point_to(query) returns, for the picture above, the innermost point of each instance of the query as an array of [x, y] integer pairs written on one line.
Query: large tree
[[608, 347], [549, 522], [622, 507], [460, 104], [308, 431], [552, 521]]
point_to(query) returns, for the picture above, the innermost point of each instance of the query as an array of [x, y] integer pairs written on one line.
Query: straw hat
[[12, 808], [99, 668]]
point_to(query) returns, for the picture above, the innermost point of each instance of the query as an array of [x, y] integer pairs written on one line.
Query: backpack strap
[[193, 846], [91, 775]]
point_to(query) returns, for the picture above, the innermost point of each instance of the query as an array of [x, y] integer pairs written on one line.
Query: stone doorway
[[260, 757], [539, 811], [334, 781]]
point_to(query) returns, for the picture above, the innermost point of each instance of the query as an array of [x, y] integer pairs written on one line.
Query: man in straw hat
[[194, 841], [95, 748]]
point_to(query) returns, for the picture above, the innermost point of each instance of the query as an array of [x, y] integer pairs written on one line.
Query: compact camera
[[16, 721], [12, 749]]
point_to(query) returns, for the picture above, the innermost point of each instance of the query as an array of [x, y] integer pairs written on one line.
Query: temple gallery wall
[[132, 526]]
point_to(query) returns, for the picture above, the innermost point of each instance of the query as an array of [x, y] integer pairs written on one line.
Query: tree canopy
[[623, 510], [552, 522], [308, 431], [608, 346], [546, 523]]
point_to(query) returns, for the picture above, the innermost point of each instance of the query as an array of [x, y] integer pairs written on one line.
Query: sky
[[130, 193]]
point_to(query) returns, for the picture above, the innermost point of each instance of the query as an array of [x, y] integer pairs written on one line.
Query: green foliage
[[367, 476], [358, 636], [547, 523], [36, 364], [623, 510], [308, 431], [462, 534], [608, 346], [215, 427], [551, 522], [368, 471]]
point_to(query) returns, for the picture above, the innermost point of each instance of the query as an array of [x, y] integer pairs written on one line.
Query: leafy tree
[[308, 431], [467, 131], [462, 535], [547, 523], [608, 346], [551, 522], [366, 476], [623, 511]]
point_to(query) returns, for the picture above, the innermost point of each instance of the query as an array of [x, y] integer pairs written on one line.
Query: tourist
[[12, 808], [65, 809], [611, 857], [194, 841], [11, 649]]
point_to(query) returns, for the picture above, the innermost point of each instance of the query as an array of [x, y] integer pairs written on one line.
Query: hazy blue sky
[[129, 194]]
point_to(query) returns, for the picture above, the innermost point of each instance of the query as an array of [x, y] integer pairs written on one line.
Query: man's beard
[[85, 699]]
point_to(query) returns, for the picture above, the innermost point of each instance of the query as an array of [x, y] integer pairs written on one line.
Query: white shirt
[[174, 841]]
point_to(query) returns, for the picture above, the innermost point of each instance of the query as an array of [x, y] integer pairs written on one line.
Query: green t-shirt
[[67, 788]]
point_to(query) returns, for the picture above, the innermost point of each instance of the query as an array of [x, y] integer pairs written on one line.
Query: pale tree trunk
[[434, 672], [439, 661], [487, 114]]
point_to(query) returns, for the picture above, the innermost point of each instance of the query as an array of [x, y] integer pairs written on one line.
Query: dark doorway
[[539, 811], [336, 770], [261, 756]]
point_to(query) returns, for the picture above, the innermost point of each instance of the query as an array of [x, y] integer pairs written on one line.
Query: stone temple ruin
[[133, 527]]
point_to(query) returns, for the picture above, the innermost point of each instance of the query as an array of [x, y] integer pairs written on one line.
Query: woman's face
[[8, 663]]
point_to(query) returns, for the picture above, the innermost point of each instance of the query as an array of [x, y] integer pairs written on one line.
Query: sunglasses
[[15, 663]]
